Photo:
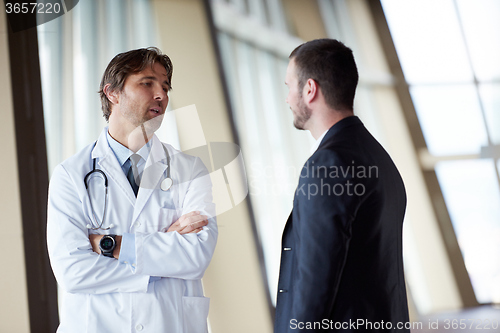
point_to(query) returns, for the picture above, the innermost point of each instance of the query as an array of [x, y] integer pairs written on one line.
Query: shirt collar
[[317, 143], [122, 153]]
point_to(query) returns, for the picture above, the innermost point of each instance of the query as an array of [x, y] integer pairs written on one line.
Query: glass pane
[[471, 192], [272, 148], [428, 40], [490, 95], [482, 30], [450, 118], [257, 11], [50, 52]]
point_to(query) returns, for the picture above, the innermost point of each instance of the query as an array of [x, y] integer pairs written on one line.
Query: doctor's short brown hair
[[127, 63]]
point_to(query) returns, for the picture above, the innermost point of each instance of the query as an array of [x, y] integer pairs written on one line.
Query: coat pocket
[[195, 314]]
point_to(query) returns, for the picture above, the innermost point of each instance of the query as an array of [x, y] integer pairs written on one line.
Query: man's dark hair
[[331, 64], [127, 63]]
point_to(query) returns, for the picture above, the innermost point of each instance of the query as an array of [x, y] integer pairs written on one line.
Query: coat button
[[283, 291], [139, 327]]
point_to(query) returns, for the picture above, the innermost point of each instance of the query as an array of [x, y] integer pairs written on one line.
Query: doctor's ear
[[112, 95]]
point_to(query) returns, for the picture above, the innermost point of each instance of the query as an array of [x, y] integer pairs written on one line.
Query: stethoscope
[[165, 185]]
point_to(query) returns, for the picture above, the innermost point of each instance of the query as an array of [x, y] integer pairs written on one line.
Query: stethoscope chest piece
[[166, 184]]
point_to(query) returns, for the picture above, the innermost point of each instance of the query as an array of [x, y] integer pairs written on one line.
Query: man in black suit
[[341, 261]]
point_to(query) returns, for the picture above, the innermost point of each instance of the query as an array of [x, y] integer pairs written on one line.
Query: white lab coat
[[100, 293]]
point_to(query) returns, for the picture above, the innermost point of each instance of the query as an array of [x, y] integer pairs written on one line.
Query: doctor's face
[[301, 113], [143, 99]]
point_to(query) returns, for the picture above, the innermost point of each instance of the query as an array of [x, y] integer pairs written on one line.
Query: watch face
[[107, 243]]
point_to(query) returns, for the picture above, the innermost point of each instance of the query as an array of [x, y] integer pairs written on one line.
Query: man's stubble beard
[[142, 122], [144, 130], [302, 116], [153, 124]]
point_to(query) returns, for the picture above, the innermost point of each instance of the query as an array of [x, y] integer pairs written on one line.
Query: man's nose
[[160, 94]]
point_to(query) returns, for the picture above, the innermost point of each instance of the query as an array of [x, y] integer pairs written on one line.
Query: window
[[449, 53], [254, 47], [74, 52]]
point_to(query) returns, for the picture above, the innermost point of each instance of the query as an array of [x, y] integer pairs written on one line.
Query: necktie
[[133, 173]]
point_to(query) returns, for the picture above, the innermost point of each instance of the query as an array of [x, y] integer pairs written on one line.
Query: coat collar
[[107, 162], [156, 165], [339, 126], [101, 149]]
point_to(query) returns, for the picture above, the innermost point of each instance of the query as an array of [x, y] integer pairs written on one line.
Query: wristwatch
[[107, 245]]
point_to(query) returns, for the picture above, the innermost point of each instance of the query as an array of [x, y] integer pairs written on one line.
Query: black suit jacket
[[341, 261]]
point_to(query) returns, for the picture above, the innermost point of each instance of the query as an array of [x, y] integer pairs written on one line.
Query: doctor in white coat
[[145, 276]]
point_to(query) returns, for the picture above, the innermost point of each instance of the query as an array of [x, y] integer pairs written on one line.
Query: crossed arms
[[183, 251], [189, 223]]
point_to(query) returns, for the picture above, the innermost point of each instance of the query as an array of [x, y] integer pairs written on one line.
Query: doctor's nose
[[161, 94]]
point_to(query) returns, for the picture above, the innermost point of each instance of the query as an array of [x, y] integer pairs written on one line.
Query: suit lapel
[[288, 225]]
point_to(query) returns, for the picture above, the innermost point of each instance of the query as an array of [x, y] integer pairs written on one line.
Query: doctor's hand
[[189, 223]]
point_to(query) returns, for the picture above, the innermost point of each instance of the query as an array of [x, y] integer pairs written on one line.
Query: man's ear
[[310, 91], [112, 95]]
